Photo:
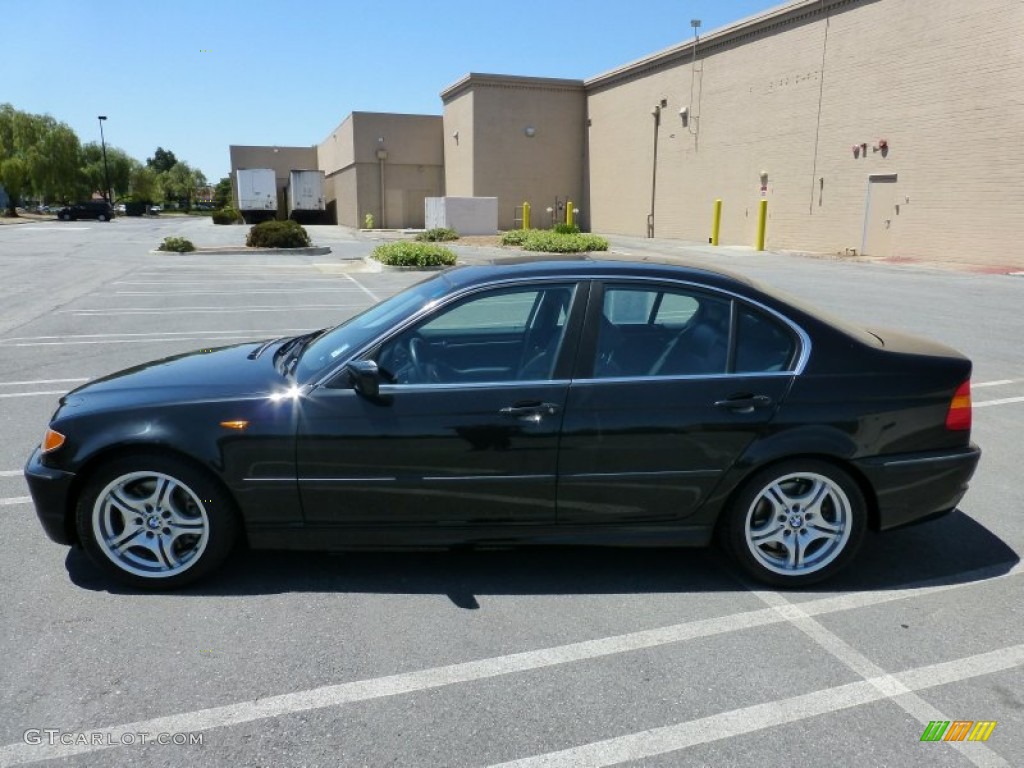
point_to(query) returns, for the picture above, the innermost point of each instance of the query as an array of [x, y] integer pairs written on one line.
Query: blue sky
[[194, 77]]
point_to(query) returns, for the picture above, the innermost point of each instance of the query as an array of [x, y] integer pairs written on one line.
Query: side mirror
[[365, 377]]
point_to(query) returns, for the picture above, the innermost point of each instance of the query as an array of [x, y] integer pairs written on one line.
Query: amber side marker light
[[52, 440], [236, 424], [958, 417]]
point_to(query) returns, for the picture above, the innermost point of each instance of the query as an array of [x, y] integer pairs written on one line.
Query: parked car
[[541, 402], [93, 209], [155, 209], [120, 208]]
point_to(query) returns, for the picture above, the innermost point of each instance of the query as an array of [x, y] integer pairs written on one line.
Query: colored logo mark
[[958, 730]]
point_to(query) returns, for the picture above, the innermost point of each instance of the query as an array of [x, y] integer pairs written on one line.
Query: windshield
[[340, 342]]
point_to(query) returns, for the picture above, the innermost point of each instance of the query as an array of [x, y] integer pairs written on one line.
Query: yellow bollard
[[526, 215], [716, 222], [762, 219], [570, 213]]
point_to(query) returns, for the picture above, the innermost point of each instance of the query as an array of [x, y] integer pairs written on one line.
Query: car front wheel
[[796, 523], [102, 217], [155, 522]]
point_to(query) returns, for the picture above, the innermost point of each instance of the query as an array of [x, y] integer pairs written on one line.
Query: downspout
[[656, 113], [382, 155]]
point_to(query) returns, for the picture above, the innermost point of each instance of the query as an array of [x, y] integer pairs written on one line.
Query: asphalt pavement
[[523, 658]]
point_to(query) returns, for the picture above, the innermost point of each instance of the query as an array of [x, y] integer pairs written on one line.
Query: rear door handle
[[532, 412], [744, 403]]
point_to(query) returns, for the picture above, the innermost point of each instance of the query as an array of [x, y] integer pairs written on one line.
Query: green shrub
[[368, 221], [226, 216], [553, 242], [567, 229], [278, 234], [514, 236], [437, 234], [176, 244], [406, 254]]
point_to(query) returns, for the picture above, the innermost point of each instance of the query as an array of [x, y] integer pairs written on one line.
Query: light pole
[[106, 172]]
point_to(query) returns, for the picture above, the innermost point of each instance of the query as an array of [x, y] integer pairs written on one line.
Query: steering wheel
[[419, 358]]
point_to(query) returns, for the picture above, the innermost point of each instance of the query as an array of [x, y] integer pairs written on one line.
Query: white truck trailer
[[257, 194], [306, 195]]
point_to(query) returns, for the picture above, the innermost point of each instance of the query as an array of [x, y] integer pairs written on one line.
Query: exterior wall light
[[530, 131]]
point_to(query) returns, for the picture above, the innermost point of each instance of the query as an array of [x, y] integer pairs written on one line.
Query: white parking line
[[736, 722], [248, 337], [53, 229], [204, 310], [999, 383], [11, 473], [272, 281], [15, 500], [247, 267], [275, 291], [39, 381], [437, 677], [272, 332], [363, 288], [1003, 401], [33, 394], [887, 684]]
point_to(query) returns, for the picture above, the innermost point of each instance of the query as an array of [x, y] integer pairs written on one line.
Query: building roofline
[[788, 13], [509, 81]]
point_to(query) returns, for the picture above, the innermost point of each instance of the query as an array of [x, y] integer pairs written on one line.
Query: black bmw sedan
[[538, 402]]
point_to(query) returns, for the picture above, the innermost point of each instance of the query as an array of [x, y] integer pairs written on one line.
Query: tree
[[38, 155], [180, 182], [222, 193], [162, 160], [119, 165], [144, 185]]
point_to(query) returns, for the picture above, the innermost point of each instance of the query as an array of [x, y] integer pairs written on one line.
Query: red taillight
[[959, 415]]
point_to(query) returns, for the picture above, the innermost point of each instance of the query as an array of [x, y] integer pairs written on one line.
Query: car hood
[[206, 374]]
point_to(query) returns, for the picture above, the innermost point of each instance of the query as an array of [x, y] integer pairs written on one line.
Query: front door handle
[[532, 412], [744, 403]]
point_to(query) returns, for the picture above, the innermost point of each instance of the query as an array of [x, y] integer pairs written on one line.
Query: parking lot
[[515, 658]]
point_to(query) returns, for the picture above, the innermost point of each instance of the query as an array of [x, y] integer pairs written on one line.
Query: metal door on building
[[879, 212]]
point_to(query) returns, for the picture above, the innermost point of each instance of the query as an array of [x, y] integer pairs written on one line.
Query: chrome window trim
[[576, 279], [447, 386], [683, 377]]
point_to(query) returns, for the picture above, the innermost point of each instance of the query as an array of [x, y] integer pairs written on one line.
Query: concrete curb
[[317, 250]]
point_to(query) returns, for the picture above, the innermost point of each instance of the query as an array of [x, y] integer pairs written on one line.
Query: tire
[[155, 522], [65, 217], [795, 523], [102, 217]]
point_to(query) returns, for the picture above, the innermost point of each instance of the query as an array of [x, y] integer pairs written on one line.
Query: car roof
[[530, 266]]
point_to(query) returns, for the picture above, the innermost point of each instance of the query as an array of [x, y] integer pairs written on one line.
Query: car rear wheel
[[102, 217], [65, 217], [796, 523], [155, 522]]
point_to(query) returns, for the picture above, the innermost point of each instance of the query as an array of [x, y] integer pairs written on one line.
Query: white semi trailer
[[257, 194], [306, 195]]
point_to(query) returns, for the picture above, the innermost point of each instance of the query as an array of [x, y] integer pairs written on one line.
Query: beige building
[[885, 127], [283, 160], [384, 165], [520, 139], [891, 127]]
